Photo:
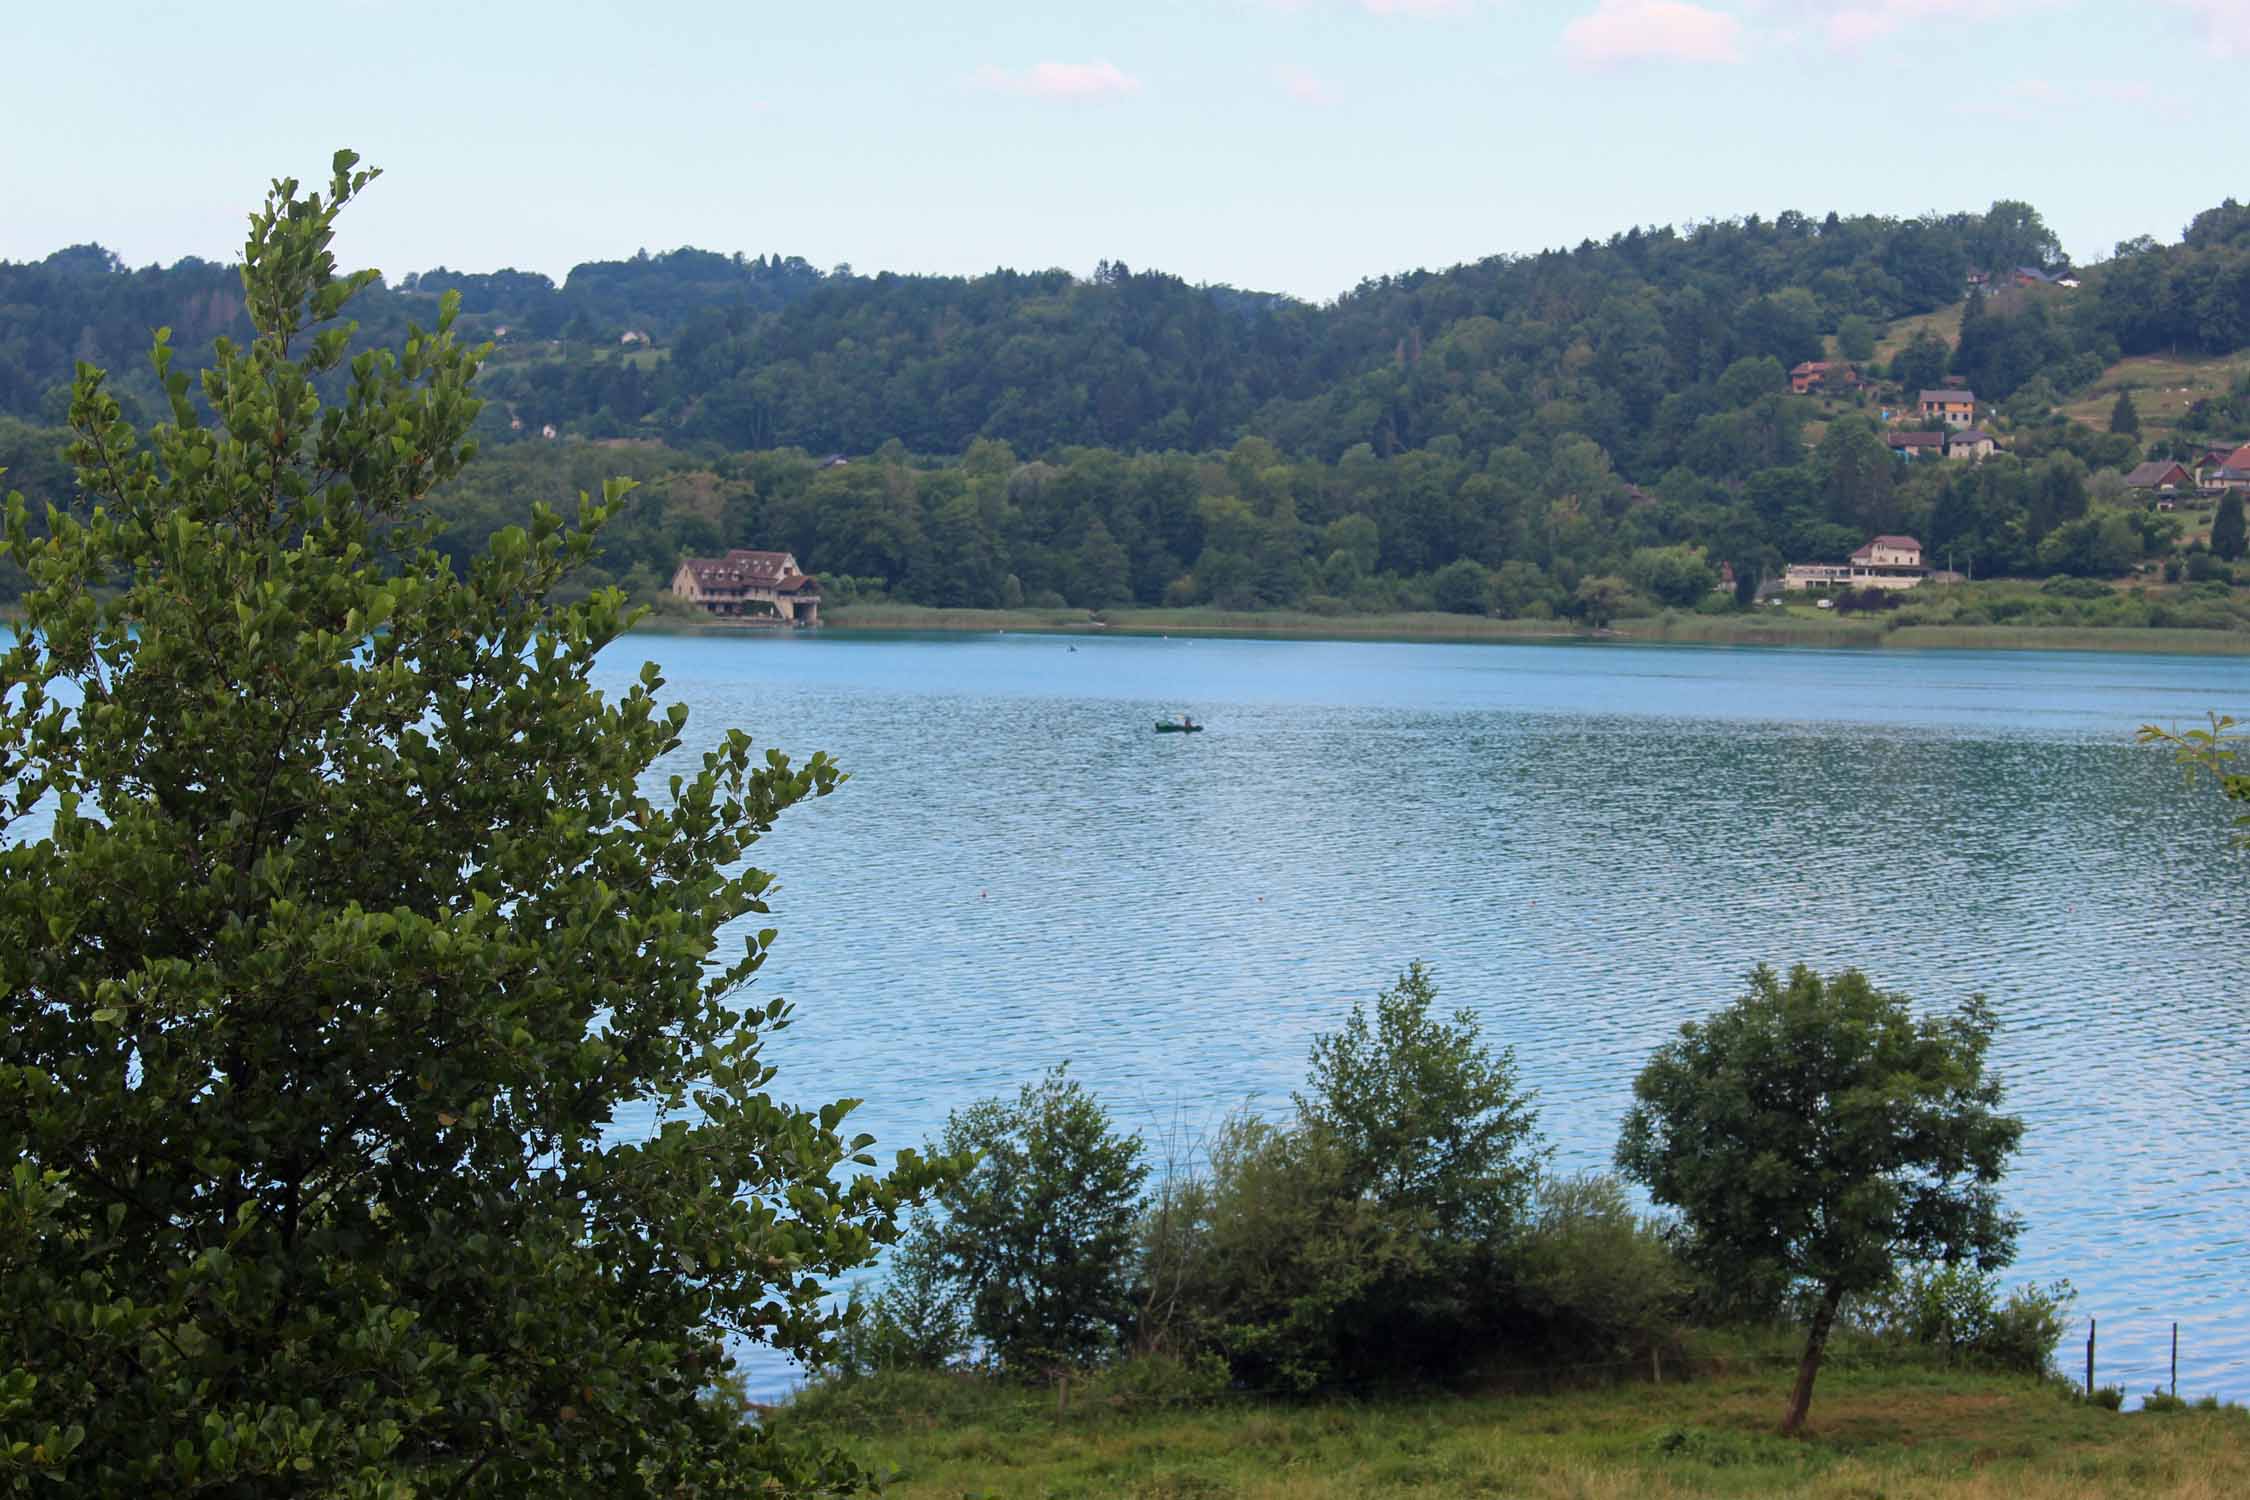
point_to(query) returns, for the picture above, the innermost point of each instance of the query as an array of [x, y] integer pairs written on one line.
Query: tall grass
[[1888, 1429]]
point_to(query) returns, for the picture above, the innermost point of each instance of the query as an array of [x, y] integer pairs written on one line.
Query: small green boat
[[1167, 726]]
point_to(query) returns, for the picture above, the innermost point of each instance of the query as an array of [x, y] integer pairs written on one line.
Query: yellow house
[[745, 582]]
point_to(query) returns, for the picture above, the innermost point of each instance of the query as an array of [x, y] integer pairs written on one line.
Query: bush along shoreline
[[1400, 1232]]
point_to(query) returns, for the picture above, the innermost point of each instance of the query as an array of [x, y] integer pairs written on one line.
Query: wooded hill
[[1124, 436]]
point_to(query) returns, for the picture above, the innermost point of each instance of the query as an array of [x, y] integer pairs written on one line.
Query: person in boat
[[1185, 721]]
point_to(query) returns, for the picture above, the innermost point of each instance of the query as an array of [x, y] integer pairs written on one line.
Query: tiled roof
[[744, 568]]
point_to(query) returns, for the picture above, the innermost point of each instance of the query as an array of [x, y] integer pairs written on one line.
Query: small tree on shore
[[352, 934], [1030, 1251], [1815, 1130]]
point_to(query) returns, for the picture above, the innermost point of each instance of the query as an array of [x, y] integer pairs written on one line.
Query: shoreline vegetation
[[1884, 1426], [1674, 629]]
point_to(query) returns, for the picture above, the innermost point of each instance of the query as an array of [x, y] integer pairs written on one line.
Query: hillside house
[[1886, 562], [1915, 445], [748, 583], [1953, 408], [2223, 468], [2161, 475], [1823, 375], [1970, 445]]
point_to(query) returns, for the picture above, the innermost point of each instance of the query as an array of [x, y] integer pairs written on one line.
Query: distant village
[[1941, 425], [753, 587]]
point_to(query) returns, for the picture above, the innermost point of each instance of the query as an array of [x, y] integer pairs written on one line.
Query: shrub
[[1033, 1244], [1158, 1380], [917, 1322], [2109, 1397], [1957, 1312], [1873, 600], [1600, 1278], [1368, 1236], [1461, 587]]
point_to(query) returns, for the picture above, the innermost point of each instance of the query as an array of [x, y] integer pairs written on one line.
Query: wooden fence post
[[2089, 1359]]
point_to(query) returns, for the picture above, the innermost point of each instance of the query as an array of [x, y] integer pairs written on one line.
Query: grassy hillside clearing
[[2163, 388], [1945, 323], [1892, 1432]]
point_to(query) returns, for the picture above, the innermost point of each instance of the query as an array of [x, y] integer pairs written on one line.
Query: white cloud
[[1061, 80], [1304, 85], [1851, 25], [1641, 30], [2226, 24]]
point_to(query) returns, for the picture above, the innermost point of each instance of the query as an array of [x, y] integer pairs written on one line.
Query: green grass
[[1873, 1432], [1945, 323], [1795, 625], [2163, 389]]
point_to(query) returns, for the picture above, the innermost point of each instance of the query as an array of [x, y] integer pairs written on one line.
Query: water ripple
[[1590, 845]]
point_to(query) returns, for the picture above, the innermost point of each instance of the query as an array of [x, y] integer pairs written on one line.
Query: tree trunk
[[1816, 1344]]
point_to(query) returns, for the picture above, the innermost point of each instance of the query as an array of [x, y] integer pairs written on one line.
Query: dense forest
[[1563, 432]]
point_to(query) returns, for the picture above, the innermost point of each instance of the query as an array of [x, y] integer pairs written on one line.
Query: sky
[[1284, 145]]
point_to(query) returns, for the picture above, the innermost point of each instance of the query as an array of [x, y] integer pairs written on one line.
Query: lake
[[1589, 842]]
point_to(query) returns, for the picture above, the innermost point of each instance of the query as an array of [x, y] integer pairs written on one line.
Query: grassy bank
[[1873, 1432], [1776, 629]]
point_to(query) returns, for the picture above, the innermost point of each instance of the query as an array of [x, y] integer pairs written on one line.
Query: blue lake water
[[1590, 844]]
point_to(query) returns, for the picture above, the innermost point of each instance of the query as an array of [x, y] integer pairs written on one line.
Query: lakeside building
[[750, 583], [1886, 562]]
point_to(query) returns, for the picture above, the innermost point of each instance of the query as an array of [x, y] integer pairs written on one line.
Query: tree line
[[1573, 433], [1621, 342], [1815, 1149]]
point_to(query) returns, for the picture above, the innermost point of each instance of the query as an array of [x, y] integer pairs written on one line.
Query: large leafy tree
[[343, 925], [1816, 1132]]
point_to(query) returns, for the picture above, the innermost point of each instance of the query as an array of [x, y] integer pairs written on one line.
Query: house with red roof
[[2226, 469], [750, 583]]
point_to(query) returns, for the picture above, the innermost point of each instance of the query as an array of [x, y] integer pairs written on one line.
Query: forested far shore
[[1619, 429]]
